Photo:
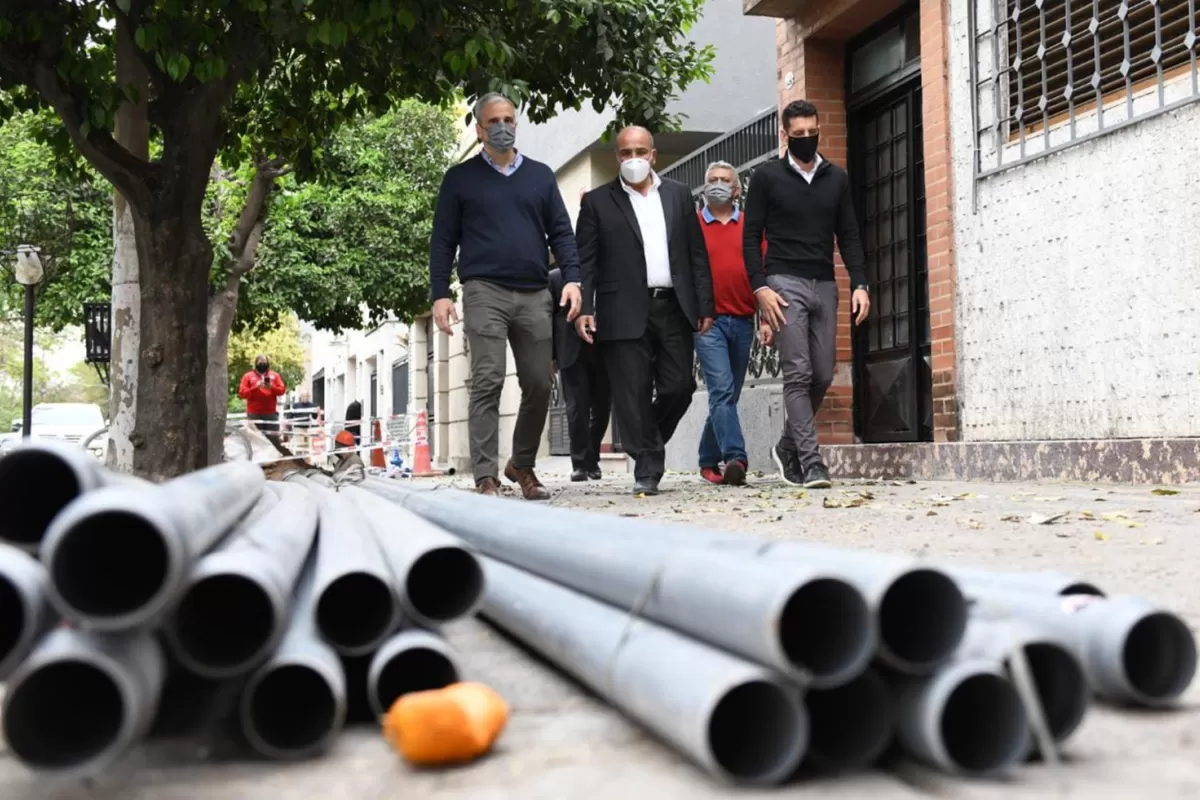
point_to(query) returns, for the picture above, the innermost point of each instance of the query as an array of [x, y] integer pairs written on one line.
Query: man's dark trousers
[[493, 317], [652, 383], [585, 385], [807, 353]]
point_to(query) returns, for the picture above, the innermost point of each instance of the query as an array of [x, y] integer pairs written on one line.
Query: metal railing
[[746, 146], [1048, 74]]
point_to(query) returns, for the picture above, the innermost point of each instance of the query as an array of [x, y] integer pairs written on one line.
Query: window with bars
[[1066, 51]]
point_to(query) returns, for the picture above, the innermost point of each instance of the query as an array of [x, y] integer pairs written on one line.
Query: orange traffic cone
[[422, 468], [377, 447]]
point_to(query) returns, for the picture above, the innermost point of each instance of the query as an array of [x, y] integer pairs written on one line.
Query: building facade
[[1033, 244]]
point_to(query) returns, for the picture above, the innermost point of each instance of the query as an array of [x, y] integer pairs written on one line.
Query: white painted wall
[[1078, 278]]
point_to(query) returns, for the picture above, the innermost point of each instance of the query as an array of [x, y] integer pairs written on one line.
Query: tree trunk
[[222, 306], [133, 133]]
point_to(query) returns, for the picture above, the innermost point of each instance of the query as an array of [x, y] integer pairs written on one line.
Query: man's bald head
[[636, 144], [635, 136]]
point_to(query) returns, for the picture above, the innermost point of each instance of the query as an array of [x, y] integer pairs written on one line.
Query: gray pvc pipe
[[1132, 651], [1048, 582], [38, 480], [356, 607], [965, 719], [118, 556], [25, 613], [437, 578], [294, 706], [1058, 677], [735, 719], [411, 661], [237, 600], [82, 699], [806, 622], [898, 591], [852, 725]]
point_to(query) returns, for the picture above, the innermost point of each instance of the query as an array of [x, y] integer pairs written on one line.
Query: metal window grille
[[97, 337], [1048, 74]]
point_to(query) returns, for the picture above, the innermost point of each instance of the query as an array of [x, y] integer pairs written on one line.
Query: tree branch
[[243, 242]]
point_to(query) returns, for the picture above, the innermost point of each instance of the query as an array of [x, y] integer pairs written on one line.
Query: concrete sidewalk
[[562, 744]]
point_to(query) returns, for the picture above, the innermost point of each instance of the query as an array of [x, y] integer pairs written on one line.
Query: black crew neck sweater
[[500, 226], [801, 221]]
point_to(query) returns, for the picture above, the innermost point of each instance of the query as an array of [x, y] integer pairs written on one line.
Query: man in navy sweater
[[498, 211]]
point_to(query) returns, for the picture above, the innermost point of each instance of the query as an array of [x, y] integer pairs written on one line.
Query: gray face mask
[[501, 136], [718, 194]]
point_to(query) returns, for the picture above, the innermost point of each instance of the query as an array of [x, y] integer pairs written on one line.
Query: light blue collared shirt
[[507, 169], [709, 218]]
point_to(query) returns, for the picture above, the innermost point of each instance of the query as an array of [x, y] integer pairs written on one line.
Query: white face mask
[[635, 170]]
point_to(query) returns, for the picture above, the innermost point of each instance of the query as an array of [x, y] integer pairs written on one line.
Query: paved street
[[562, 744]]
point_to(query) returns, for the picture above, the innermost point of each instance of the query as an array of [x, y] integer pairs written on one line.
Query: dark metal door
[[318, 389], [400, 387], [560, 441], [374, 395], [892, 379], [431, 398]]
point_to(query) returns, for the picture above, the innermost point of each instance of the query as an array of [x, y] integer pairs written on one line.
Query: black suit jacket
[[567, 344], [612, 259]]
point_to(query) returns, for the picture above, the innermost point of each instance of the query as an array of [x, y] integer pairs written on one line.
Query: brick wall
[[811, 49]]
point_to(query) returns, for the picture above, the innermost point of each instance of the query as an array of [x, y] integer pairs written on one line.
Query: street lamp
[[29, 274]]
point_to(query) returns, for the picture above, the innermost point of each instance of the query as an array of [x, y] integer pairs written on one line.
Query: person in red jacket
[[260, 388]]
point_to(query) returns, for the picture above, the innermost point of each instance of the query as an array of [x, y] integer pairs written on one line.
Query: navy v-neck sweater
[[500, 226]]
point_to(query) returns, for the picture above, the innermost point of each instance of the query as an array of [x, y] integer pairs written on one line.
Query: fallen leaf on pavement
[[1011, 518], [1100, 536], [1045, 519], [1152, 541], [931, 513], [1049, 499], [967, 495], [849, 502], [974, 524], [1114, 516], [1085, 514], [1164, 492]]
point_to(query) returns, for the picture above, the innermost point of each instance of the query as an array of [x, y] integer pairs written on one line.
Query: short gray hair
[[722, 165], [482, 103]]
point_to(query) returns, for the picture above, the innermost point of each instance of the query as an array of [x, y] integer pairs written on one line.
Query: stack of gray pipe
[[266, 584], [752, 657]]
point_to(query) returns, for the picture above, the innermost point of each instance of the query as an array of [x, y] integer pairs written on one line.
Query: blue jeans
[[724, 355]]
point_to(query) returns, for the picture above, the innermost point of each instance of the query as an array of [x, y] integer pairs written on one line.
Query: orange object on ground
[[422, 468], [452, 725], [377, 450]]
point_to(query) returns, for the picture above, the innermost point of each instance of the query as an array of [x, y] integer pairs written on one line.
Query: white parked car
[[68, 422]]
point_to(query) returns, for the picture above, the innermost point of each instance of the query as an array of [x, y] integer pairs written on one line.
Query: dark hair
[[797, 109]]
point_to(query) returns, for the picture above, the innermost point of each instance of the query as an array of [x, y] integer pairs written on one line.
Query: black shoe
[[789, 469], [595, 474], [647, 487], [578, 475], [817, 477]]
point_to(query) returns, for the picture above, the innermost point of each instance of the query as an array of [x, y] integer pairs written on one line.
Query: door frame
[[884, 92]]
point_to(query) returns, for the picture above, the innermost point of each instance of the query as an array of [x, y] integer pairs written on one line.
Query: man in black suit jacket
[[647, 290], [585, 384]]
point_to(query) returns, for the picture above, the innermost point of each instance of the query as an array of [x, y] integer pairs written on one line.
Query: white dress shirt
[[653, 223], [808, 175]]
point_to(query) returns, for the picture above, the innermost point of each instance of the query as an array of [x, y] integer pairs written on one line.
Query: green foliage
[[79, 385], [282, 344], [359, 236], [68, 215]]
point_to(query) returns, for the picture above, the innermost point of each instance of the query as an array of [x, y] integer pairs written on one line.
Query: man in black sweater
[[498, 211], [802, 203]]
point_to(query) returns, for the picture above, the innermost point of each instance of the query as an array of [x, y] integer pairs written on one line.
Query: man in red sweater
[[260, 388], [724, 351]]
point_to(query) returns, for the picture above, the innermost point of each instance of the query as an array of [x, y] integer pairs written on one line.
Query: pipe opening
[[109, 564], [755, 734], [224, 622], [983, 726], [414, 670], [1061, 687], [63, 714], [34, 487], [1082, 587], [851, 725], [292, 708], [12, 617], [825, 628], [922, 618], [356, 611], [444, 584], [1159, 656]]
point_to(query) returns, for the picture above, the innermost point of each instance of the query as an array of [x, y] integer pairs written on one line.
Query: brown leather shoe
[[487, 486], [531, 487]]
